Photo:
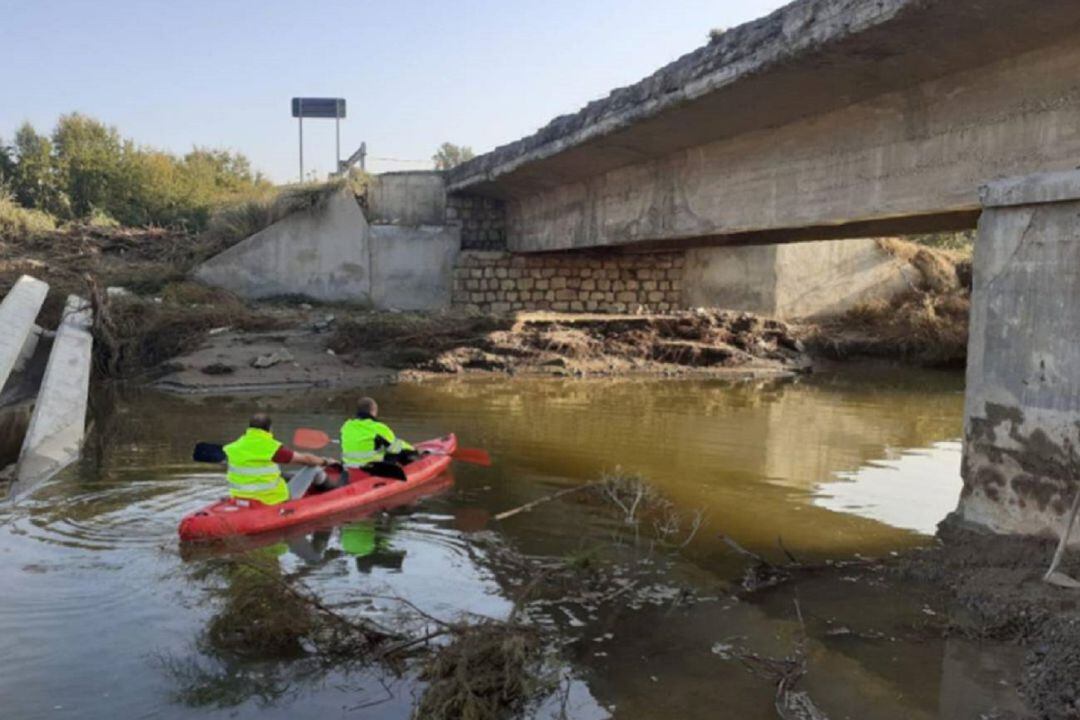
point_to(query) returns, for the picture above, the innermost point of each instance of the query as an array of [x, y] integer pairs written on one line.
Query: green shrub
[[17, 221], [87, 171]]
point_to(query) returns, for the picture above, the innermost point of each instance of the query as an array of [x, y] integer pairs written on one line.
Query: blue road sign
[[318, 107]]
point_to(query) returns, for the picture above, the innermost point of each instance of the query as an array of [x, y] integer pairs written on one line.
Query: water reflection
[[91, 576], [913, 490]]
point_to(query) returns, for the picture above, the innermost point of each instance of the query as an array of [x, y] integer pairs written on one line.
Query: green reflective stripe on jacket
[[252, 473], [358, 437]]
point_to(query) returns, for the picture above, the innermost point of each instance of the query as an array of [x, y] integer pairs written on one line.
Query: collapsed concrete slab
[[1021, 464], [17, 314], [58, 423], [322, 253]]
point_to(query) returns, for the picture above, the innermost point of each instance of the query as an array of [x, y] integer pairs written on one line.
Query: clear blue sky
[[220, 73]]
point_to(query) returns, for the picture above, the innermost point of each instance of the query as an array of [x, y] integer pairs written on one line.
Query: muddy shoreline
[[321, 351]]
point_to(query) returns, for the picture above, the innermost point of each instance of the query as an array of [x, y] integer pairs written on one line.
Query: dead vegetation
[[411, 339], [785, 673], [489, 670], [266, 614], [641, 505], [602, 345], [928, 325], [232, 224], [134, 335]]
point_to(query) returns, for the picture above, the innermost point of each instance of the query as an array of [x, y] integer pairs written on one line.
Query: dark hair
[[367, 406], [260, 420]]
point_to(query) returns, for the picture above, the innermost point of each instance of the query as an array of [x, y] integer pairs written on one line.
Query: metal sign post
[[319, 108]]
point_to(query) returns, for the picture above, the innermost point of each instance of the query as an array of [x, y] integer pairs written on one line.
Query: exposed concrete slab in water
[[1022, 409], [17, 314], [58, 424]]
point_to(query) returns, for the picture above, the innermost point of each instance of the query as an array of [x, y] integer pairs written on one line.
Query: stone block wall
[[498, 282], [482, 221]]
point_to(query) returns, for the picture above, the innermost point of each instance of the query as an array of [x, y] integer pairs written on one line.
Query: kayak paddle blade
[[477, 456], [310, 439], [208, 453]]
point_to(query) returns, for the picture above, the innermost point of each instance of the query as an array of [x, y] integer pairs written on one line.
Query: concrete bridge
[[826, 119], [844, 119]]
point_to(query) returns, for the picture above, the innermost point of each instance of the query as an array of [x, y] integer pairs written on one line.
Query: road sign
[[318, 107]]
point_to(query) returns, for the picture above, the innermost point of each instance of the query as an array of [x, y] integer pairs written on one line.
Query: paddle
[[311, 439], [208, 453]]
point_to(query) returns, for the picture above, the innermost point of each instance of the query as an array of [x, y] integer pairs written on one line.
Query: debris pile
[[928, 325], [697, 341], [489, 670]]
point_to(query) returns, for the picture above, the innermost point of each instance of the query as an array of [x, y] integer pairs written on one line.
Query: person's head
[[260, 421], [367, 406]]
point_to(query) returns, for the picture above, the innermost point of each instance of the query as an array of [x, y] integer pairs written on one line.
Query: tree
[[34, 180], [7, 166], [450, 155], [88, 162], [87, 170]]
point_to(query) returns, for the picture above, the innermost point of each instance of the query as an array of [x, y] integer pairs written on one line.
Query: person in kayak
[[253, 459], [365, 440]]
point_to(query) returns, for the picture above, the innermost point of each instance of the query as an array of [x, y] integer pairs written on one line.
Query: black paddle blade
[[208, 453], [386, 470]]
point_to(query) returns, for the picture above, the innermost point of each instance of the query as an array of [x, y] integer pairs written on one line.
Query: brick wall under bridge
[[500, 282]]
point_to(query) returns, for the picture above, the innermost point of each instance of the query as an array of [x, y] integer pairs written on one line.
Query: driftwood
[[763, 574], [530, 505], [791, 704]]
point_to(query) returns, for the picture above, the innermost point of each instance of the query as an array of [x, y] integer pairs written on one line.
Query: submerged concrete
[[322, 253], [828, 118], [17, 314], [58, 424], [1021, 463]]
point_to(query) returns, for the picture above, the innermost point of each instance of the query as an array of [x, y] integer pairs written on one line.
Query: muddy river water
[[103, 616]]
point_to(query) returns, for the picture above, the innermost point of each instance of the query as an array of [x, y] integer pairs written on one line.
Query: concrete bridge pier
[[1021, 464]]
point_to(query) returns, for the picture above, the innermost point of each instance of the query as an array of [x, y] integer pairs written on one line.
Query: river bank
[[155, 325]]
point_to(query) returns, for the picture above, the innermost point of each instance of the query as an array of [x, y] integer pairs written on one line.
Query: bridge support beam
[[1021, 462]]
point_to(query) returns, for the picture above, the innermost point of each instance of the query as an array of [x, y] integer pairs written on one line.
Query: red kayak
[[228, 518]]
